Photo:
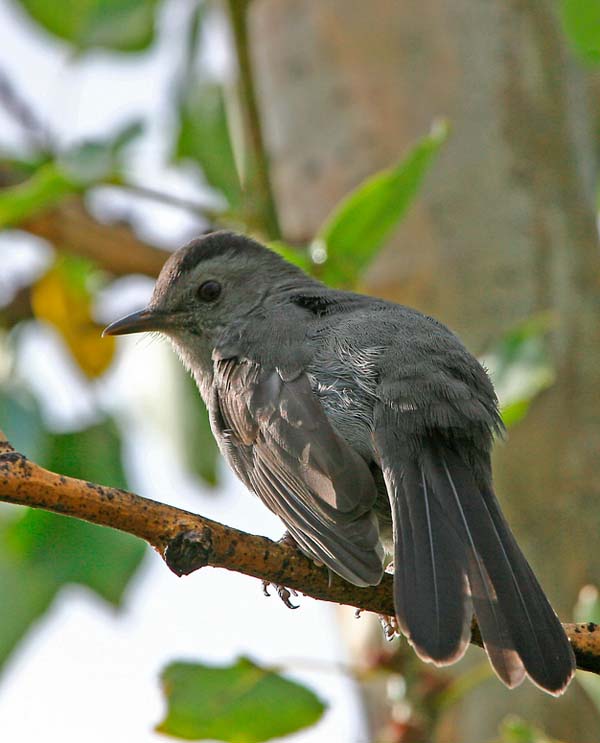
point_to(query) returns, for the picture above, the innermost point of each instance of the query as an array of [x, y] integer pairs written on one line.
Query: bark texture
[[505, 227]]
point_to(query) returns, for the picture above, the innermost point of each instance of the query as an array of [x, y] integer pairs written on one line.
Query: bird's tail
[[454, 556]]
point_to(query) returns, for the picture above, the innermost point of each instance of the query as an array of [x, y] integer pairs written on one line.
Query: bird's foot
[[284, 593], [390, 627], [288, 540]]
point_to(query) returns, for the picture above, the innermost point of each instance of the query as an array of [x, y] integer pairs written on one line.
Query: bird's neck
[[197, 359]]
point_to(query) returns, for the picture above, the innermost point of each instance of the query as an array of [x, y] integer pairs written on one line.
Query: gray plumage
[[361, 424]]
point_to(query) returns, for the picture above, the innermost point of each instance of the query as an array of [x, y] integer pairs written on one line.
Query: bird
[[367, 427]]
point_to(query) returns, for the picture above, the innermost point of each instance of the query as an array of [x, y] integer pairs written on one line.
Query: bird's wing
[[280, 443], [454, 551]]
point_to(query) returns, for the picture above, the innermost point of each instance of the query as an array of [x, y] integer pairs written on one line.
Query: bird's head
[[207, 285]]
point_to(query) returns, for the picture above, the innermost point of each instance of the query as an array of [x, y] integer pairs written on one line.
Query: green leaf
[[581, 19], [194, 36], [26, 595], [21, 421], [72, 172], [120, 25], [520, 367], [66, 550], [241, 703], [95, 161], [299, 257], [360, 224], [92, 454], [515, 730], [43, 189], [19, 167], [40, 552], [204, 138]]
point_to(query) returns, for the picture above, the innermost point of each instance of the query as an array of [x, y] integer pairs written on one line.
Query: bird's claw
[[284, 593], [288, 540], [390, 627]]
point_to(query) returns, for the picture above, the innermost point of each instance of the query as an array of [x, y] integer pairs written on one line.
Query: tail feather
[[493, 624], [544, 625], [520, 630], [430, 589]]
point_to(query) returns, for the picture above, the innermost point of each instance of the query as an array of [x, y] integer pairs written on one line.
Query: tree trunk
[[504, 227]]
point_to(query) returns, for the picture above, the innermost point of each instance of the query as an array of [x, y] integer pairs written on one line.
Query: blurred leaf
[[463, 684], [515, 730], [46, 187], [204, 138], [125, 135], [194, 35], [581, 19], [183, 424], [61, 297], [66, 550], [120, 25], [26, 595], [520, 367], [200, 450], [40, 552], [21, 421], [91, 454], [587, 609], [296, 256], [95, 161], [360, 224], [72, 172], [242, 703], [20, 166]]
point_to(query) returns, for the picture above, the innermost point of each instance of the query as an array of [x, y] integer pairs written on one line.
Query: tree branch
[[114, 246], [188, 542]]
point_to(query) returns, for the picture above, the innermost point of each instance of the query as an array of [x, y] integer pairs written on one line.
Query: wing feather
[[281, 444]]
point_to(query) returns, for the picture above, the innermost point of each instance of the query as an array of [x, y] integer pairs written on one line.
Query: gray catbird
[[361, 422]]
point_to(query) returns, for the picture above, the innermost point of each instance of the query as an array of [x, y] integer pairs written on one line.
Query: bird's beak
[[139, 322]]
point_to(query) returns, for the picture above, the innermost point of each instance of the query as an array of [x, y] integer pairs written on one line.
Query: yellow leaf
[[66, 304]]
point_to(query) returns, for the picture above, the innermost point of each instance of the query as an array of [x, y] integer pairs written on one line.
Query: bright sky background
[[88, 673]]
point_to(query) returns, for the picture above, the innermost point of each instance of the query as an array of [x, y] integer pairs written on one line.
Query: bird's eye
[[209, 291]]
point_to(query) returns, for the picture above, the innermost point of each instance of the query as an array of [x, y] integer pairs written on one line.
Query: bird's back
[[366, 350]]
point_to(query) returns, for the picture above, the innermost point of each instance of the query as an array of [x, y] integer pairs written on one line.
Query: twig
[[113, 246], [188, 542], [212, 216], [259, 183], [15, 105]]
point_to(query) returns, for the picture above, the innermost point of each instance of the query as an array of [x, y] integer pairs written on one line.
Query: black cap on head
[[215, 244]]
